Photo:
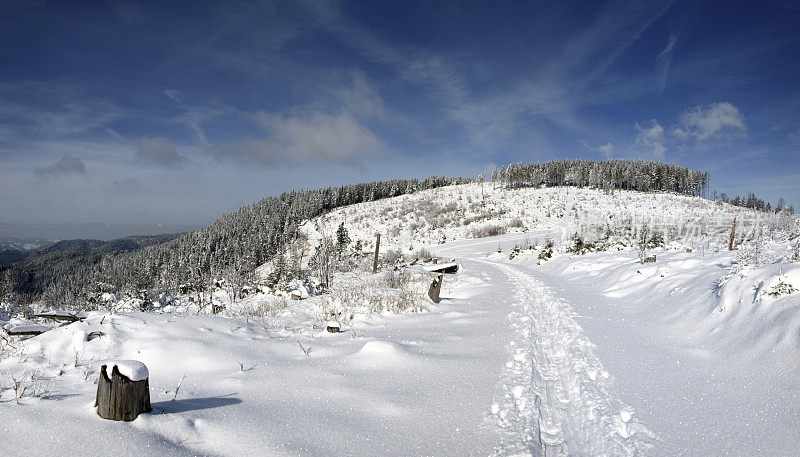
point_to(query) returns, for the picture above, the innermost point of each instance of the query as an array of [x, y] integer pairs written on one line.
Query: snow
[[555, 405], [131, 369], [439, 266], [11, 328], [62, 314], [355, 393], [301, 291], [695, 354], [699, 359]]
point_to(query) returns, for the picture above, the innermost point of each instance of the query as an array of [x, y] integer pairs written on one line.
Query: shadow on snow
[[193, 404]]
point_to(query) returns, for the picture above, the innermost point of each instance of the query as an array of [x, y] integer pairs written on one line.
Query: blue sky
[[175, 112]]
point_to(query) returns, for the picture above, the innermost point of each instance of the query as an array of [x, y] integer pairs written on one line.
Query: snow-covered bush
[[392, 257], [547, 249], [516, 223], [487, 230], [262, 306], [576, 245], [360, 293], [781, 288]]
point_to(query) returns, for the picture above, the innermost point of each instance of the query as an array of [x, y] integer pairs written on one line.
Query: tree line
[[753, 202], [615, 174]]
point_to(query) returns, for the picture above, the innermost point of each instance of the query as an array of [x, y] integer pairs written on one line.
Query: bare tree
[[323, 260]]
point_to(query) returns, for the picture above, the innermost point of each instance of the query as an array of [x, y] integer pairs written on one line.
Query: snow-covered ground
[[697, 349], [595, 354]]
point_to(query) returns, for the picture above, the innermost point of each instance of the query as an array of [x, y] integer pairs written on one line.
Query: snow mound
[[381, 350]]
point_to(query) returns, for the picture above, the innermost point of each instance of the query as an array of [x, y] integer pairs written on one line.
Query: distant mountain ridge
[[23, 244], [77, 248]]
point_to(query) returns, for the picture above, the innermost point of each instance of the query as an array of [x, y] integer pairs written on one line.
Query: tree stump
[[124, 395], [333, 327], [436, 288]]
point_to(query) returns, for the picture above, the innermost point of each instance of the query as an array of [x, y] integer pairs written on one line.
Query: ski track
[[554, 398]]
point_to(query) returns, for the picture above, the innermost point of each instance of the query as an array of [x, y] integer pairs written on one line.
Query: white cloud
[[650, 140], [607, 150], [309, 139], [362, 98], [68, 165], [173, 94], [715, 121], [159, 151]]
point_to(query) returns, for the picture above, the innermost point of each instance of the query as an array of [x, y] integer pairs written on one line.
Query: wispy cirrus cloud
[[194, 117], [34, 110], [490, 117], [664, 61]]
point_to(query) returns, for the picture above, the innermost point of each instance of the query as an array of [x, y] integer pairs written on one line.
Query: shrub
[[547, 249], [268, 306], [578, 246], [487, 230], [516, 223], [395, 279], [392, 291], [392, 257], [423, 253]]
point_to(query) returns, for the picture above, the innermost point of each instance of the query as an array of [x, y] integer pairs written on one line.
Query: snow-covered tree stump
[[333, 327], [126, 393]]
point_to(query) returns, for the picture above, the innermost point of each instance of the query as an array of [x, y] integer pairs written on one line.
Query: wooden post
[[436, 288], [377, 249], [121, 398], [733, 233]]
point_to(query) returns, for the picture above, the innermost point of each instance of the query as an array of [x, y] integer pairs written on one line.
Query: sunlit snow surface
[[580, 355]]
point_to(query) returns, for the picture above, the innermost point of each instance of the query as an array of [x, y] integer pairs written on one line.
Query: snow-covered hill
[[553, 339], [613, 219]]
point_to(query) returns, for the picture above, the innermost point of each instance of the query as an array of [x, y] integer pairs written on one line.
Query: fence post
[[436, 288], [377, 249]]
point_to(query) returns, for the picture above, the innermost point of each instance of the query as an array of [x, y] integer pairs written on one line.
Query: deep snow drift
[[594, 354]]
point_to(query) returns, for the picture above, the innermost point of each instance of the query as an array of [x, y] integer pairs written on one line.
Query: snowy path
[[556, 402], [699, 398], [697, 395], [553, 398]]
